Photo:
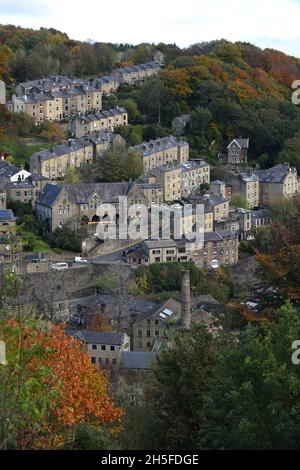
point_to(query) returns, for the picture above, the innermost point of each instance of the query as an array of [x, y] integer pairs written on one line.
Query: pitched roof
[[8, 170], [81, 192], [242, 143], [92, 337], [157, 145], [49, 194], [7, 215], [260, 214], [276, 174], [219, 236], [103, 114], [152, 244], [137, 360], [62, 149], [173, 307]]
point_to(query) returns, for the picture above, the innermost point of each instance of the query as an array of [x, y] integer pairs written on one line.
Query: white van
[[59, 266], [78, 259]]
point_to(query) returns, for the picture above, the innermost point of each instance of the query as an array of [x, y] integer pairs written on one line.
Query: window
[[156, 333], [156, 322], [94, 346], [93, 359], [114, 361], [148, 322], [148, 333], [112, 348], [103, 347]]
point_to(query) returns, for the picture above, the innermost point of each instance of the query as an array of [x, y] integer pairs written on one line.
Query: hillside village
[[126, 297], [169, 177]]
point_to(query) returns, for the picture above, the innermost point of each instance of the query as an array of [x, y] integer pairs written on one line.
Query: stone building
[[58, 203], [214, 203], [55, 98], [280, 181], [222, 246], [107, 84], [218, 187], [10, 172], [239, 221], [153, 191], [155, 325], [104, 349], [238, 151], [101, 121], [162, 151], [248, 186], [260, 218], [10, 244], [136, 73], [53, 163]]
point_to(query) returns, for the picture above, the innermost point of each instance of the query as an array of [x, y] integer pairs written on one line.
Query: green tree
[[291, 151], [69, 236], [254, 396], [238, 200], [132, 108], [181, 379], [71, 176]]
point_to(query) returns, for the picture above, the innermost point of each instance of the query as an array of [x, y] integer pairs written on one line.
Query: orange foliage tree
[[80, 393], [177, 82]]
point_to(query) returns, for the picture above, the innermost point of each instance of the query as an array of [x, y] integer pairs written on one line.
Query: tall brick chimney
[[185, 300]]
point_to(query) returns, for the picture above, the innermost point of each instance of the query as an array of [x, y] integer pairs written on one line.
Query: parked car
[[78, 259], [59, 266]]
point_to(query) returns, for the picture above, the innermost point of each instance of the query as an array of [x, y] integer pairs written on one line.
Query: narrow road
[[116, 257]]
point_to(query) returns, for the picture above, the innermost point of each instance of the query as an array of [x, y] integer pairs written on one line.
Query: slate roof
[[80, 193], [8, 170], [92, 337], [169, 304], [106, 79], [152, 244], [247, 178], [49, 194], [137, 360], [103, 114], [157, 145], [276, 174], [217, 182], [7, 215], [101, 137], [260, 214], [242, 143], [209, 200], [219, 236], [136, 68], [62, 149]]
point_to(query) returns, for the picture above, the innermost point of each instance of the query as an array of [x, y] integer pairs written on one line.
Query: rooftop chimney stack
[[185, 300]]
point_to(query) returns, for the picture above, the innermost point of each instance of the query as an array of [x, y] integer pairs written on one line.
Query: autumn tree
[[52, 132], [48, 384]]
